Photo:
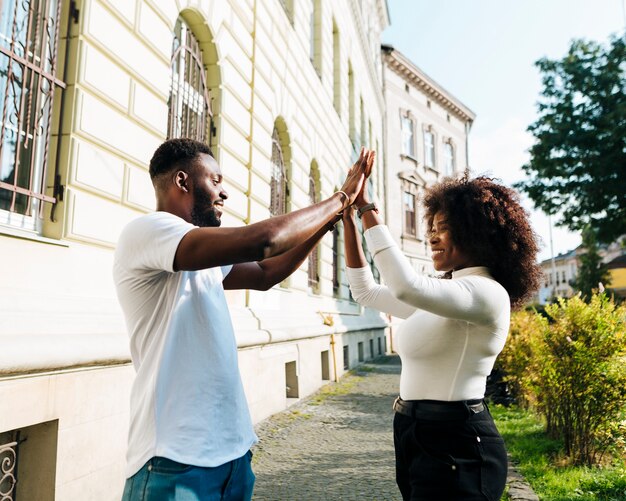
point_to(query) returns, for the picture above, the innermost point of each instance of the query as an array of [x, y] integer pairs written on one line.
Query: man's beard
[[203, 213]]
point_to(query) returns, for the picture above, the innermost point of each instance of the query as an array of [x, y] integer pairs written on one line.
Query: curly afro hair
[[488, 223]]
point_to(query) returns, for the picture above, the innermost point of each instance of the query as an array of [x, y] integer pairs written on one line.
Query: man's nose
[[223, 194]]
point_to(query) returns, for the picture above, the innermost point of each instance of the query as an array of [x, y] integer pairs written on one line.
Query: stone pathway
[[336, 445]]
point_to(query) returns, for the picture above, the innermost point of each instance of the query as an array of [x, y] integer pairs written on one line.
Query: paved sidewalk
[[337, 445]]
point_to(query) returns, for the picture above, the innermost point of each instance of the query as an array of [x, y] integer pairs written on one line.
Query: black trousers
[[449, 460]]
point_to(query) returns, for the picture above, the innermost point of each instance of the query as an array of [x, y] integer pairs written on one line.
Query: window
[[362, 138], [408, 136], [278, 183], [189, 105], [313, 259], [28, 80], [429, 149], [448, 159], [336, 70], [28, 458], [316, 36], [288, 6], [351, 112], [410, 216]]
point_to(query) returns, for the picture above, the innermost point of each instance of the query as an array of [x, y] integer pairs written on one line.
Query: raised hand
[[363, 197], [357, 174]]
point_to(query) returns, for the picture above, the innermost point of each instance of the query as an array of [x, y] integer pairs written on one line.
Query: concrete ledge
[[24, 353]]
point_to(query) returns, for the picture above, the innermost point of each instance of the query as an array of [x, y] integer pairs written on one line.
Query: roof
[[561, 257], [618, 262], [404, 67]]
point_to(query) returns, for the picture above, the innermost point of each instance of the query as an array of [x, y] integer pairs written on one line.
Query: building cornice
[[402, 66]]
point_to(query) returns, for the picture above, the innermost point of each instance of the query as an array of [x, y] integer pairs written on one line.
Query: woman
[[446, 443]]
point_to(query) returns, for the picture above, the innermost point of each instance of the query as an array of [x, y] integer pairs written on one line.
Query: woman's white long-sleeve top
[[454, 329]]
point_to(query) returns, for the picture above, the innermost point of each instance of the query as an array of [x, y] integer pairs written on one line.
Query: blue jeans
[[162, 479]]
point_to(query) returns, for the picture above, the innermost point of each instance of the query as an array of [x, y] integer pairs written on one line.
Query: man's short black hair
[[174, 153]]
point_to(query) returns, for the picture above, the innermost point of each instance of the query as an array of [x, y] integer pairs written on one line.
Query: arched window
[[278, 183], [190, 112], [313, 260]]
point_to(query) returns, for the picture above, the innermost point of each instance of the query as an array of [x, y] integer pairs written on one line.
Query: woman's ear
[[180, 180]]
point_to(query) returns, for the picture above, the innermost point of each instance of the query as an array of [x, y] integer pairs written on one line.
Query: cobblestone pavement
[[336, 445]]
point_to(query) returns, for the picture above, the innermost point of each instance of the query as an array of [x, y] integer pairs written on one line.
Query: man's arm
[[209, 247], [263, 275]]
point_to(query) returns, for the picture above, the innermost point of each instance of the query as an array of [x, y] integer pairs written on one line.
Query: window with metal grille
[[313, 259], [29, 36], [28, 462], [408, 205], [190, 112], [278, 183]]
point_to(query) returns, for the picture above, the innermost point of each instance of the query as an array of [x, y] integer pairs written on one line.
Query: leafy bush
[[518, 356], [572, 369]]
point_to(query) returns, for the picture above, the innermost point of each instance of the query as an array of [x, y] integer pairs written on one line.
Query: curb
[[518, 488]]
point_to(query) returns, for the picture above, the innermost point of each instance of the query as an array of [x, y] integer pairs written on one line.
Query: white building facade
[[285, 92]]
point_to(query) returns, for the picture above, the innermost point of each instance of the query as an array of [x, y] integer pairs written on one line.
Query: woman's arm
[[362, 285], [472, 298]]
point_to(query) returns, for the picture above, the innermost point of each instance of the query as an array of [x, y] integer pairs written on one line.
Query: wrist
[[344, 198], [365, 208]]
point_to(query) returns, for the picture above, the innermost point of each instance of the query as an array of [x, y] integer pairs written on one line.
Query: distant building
[[617, 269], [426, 134], [558, 276]]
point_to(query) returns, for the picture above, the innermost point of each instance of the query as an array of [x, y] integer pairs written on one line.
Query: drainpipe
[[467, 130]]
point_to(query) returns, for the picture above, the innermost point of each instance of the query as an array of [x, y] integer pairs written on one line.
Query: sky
[[483, 52]]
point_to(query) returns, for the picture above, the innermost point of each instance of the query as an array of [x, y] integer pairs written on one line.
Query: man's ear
[[180, 180]]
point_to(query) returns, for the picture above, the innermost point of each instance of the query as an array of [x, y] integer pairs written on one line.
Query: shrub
[[518, 356], [580, 383]]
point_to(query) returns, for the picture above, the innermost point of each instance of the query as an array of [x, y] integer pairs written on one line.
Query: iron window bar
[[278, 188], [8, 457], [28, 74], [190, 98]]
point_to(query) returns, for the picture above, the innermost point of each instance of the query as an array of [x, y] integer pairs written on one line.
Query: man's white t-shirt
[[187, 401]]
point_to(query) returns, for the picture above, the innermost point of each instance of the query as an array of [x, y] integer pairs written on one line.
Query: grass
[[542, 462], [342, 387]]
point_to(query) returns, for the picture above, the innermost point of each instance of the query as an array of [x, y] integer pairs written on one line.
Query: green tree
[[592, 270], [578, 161]]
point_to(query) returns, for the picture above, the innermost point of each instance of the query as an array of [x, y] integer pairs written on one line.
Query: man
[[190, 428]]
